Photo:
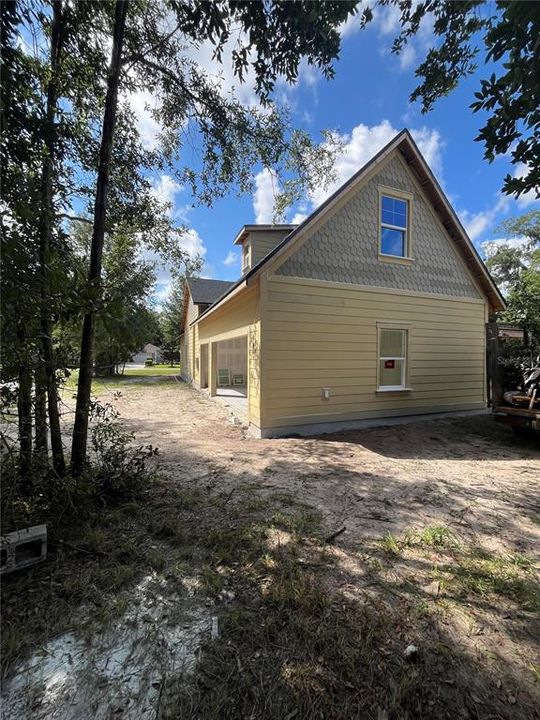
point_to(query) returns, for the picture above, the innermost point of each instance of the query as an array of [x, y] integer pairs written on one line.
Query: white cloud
[[232, 258], [223, 73], [266, 190], [165, 189], [363, 142], [490, 247], [192, 243], [350, 27], [387, 23], [142, 103], [477, 223], [386, 19], [298, 218], [407, 57], [530, 197]]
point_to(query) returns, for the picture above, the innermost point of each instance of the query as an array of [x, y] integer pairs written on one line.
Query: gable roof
[[404, 143], [205, 291], [246, 229]]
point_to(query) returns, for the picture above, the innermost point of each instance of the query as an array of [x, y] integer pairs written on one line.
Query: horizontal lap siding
[[264, 242], [188, 340], [239, 316], [323, 335]]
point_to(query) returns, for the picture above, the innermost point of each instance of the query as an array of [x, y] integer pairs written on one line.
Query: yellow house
[[373, 307]]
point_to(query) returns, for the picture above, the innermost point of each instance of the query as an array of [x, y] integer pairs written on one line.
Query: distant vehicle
[[148, 352]]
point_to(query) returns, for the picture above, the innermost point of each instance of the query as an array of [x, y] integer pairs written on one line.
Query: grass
[[292, 644], [478, 573], [131, 376], [290, 647], [467, 571], [153, 370]]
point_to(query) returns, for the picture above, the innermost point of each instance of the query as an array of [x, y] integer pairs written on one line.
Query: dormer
[[257, 241]]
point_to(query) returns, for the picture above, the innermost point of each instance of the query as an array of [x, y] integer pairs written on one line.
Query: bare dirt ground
[[393, 487], [463, 473], [439, 552]]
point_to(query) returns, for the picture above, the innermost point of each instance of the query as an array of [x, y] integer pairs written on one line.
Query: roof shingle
[[205, 292]]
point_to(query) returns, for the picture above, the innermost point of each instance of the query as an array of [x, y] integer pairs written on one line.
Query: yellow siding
[[187, 343], [239, 316], [320, 334], [262, 243]]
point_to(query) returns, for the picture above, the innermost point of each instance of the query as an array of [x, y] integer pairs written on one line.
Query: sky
[[367, 103]]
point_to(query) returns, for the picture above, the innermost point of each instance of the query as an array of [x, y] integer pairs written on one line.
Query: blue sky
[[367, 103]]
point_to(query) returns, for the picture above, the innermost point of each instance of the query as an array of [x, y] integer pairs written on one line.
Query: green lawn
[[154, 370], [131, 376]]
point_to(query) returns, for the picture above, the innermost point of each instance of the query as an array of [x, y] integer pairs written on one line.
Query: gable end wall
[[345, 248]]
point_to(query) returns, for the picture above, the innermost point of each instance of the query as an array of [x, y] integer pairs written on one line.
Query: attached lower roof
[[205, 291]]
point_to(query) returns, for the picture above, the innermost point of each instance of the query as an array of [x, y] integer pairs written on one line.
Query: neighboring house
[[375, 306], [149, 352]]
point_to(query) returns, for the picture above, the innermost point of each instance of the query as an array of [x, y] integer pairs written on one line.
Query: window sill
[[393, 389], [397, 259]]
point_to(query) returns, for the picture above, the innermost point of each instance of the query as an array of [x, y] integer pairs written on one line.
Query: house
[[373, 307], [149, 352]]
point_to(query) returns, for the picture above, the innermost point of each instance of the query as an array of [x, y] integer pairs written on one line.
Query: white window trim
[[394, 325], [398, 195]]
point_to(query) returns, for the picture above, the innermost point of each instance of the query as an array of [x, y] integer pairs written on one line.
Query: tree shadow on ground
[[315, 631], [465, 438], [311, 630]]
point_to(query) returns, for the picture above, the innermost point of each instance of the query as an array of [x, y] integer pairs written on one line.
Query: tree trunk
[[80, 431], [40, 412], [24, 409], [46, 222]]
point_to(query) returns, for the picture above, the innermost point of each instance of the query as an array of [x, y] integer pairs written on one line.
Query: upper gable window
[[394, 226]]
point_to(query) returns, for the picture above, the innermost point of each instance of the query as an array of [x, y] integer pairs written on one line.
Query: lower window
[[392, 359]]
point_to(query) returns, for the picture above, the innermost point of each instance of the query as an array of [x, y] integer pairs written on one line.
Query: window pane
[[387, 203], [390, 373], [392, 242], [400, 207], [394, 211], [387, 216], [392, 343]]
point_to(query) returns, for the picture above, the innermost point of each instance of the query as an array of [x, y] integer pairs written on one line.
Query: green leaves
[[505, 38], [518, 270]]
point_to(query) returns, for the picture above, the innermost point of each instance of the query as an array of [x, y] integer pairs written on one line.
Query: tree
[[173, 310], [506, 35], [80, 429], [73, 151], [273, 38], [517, 270]]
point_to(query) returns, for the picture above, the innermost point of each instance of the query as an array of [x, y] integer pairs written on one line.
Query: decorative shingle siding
[[345, 248]]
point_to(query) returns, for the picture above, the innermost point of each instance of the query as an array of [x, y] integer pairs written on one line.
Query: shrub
[[148, 362], [117, 470], [120, 468]]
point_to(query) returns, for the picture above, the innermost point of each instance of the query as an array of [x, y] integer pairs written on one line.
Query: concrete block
[[23, 548]]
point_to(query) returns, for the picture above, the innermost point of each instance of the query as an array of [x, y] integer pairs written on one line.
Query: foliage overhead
[[505, 36]]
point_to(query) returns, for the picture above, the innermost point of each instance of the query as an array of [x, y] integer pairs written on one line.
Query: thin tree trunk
[[40, 412], [80, 430], [24, 409], [46, 222]]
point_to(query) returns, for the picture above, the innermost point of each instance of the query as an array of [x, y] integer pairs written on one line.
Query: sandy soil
[[464, 473]]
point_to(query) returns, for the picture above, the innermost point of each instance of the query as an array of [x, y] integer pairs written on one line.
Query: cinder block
[[22, 548]]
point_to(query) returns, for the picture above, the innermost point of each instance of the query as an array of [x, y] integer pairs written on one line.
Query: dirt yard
[[383, 480], [425, 606]]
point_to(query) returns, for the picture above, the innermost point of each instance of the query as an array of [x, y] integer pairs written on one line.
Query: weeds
[[476, 572], [465, 571], [302, 522]]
